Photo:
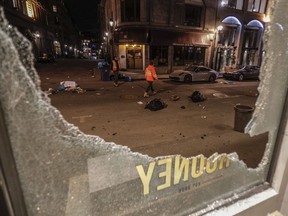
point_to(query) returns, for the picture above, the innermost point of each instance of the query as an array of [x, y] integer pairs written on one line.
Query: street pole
[[111, 24]]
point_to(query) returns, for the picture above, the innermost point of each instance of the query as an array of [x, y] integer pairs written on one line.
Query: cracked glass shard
[[66, 172]]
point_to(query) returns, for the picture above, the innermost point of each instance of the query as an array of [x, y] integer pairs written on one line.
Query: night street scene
[[143, 107]]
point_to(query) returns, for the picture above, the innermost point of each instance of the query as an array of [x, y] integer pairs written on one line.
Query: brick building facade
[[46, 24]]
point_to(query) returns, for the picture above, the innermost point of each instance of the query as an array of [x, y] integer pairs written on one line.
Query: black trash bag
[[197, 97], [155, 104]]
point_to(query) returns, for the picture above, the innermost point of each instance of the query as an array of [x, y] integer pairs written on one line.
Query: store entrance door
[[134, 57]]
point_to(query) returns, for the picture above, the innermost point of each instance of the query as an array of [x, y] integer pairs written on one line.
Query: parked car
[[193, 73], [46, 58], [246, 72]]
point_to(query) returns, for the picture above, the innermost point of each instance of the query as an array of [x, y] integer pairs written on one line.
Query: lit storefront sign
[[30, 10]]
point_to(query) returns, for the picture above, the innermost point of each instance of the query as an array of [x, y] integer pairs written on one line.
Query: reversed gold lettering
[[146, 178], [210, 170], [166, 173], [195, 173], [224, 158], [178, 169]]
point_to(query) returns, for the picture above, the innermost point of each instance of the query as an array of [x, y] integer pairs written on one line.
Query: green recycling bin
[[243, 115]]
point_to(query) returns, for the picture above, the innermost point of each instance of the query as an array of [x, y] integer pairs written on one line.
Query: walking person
[[115, 69], [150, 75]]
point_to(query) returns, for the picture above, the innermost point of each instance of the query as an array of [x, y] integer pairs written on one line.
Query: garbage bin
[[105, 71], [243, 115]]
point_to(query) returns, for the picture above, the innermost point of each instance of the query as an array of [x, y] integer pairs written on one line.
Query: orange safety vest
[[150, 73], [115, 65]]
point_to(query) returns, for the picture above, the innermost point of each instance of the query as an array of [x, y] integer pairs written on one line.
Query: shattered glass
[[65, 172]]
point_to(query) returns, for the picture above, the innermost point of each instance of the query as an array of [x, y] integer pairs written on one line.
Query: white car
[[193, 73]]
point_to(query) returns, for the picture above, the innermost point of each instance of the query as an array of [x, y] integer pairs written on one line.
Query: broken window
[[63, 171]]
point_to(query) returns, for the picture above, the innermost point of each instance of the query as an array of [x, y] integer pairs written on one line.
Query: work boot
[[146, 95]]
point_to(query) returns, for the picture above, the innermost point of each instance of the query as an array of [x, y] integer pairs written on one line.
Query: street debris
[[51, 91], [98, 93], [155, 105], [183, 107], [220, 95], [140, 102], [93, 128], [174, 97], [228, 82], [127, 78], [71, 86], [252, 93], [114, 134], [197, 97], [203, 117], [204, 135]]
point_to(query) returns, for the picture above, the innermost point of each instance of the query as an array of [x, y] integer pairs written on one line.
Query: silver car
[[193, 73]]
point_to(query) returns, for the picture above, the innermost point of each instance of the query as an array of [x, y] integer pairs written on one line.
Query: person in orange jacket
[[115, 69], [150, 75]]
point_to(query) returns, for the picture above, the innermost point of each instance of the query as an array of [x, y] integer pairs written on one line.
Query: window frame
[[238, 6], [263, 201], [197, 17], [188, 55], [254, 9], [136, 10]]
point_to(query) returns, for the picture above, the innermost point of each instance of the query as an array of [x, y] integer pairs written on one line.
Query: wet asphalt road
[[117, 114]]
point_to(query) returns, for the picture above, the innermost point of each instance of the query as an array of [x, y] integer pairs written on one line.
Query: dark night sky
[[84, 13]]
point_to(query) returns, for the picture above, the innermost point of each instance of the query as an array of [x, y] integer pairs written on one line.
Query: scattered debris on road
[[197, 96], [155, 105], [183, 107], [71, 86], [228, 82], [175, 97], [140, 102]]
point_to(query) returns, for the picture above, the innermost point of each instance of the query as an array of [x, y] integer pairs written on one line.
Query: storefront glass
[[188, 55], [65, 172], [159, 54]]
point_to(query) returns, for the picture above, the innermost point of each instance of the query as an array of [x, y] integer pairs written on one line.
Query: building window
[[237, 4], [188, 55], [227, 37], [159, 54], [193, 15], [257, 6], [130, 10], [54, 7]]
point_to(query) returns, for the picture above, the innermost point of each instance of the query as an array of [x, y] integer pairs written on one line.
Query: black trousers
[[150, 86]]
